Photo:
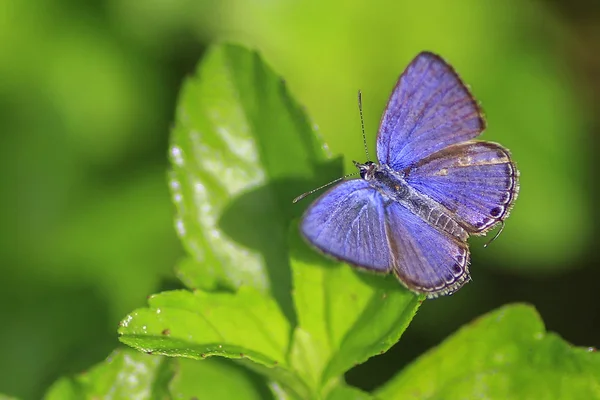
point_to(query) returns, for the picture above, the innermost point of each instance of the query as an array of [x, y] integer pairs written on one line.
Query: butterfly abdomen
[[434, 214]]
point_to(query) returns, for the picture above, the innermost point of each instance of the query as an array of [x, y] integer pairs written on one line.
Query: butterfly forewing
[[429, 109], [348, 222]]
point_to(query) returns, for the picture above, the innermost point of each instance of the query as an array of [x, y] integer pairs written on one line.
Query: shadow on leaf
[[260, 219]]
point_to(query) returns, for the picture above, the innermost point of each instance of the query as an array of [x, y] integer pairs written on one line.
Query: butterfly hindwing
[[429, 109], [425, 259], [477, 181], [348, 223]]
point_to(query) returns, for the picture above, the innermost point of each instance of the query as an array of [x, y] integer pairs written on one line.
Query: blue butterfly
[[413, 211]]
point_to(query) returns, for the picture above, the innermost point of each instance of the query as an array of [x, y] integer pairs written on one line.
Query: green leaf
[[198, 325], [241, 150], [126, 374], [246, 325], [505, 354], [344, 392], [345, 316], [216, 379]]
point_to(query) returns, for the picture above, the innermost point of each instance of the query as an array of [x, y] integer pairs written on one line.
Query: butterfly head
[[366, 170]]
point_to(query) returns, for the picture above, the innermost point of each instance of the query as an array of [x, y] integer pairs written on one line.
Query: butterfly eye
[[365, 168]]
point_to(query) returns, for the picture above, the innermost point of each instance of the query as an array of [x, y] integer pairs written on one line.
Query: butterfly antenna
[[496, 235], [362, 124], [303, 195]]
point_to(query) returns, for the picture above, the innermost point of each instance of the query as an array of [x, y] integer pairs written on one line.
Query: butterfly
[[433, 186]]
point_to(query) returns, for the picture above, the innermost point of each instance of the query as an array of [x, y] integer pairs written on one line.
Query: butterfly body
[[393, 188], [433, 186]]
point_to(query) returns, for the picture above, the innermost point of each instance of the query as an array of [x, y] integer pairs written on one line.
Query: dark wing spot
[[496, 212], [457, 269]]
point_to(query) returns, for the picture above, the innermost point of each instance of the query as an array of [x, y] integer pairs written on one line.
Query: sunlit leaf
[[241, 150], [200, 324], [126, 374], [246, 325], [506, 354]]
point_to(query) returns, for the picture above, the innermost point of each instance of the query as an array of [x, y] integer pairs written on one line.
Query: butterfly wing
[[425, 259], [347, 222], [477, 181], [429, 109], [354, 223]]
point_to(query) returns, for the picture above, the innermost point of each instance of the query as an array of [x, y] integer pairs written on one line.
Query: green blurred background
[[87, 95]]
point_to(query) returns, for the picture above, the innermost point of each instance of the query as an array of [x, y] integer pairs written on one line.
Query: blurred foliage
[[87, 97]]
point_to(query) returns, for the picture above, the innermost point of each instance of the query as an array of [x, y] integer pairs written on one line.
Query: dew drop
[[175, 184], [179, 225], [177, 155], [199, 187], [126, 321]]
